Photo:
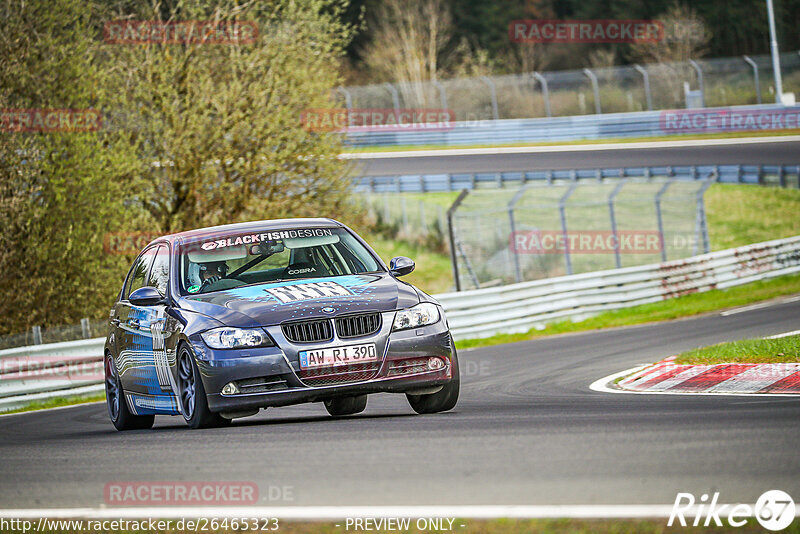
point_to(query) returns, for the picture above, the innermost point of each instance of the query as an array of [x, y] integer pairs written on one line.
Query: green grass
[[781, 350], [724, 135], [57, 403], [432, 274], [685, 306], [744, 214]]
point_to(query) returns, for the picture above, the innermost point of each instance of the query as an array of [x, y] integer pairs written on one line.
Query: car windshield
[[235, 259]]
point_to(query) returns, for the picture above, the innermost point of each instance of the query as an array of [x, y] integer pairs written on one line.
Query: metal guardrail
[[520, 307], [779, 175], [572, 128], [75, 367]]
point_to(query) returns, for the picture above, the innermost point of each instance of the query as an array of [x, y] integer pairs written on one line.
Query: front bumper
[[275, 374]]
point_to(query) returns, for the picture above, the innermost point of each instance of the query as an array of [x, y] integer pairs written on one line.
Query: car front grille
[[358, 325], [328, 376], [308, 331]]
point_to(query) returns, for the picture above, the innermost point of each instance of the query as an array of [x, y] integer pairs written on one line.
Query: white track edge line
[[487, 151]]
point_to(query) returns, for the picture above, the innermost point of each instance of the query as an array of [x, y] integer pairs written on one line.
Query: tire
[[192, 394], [443, 400], [346, 405], [118, 410]]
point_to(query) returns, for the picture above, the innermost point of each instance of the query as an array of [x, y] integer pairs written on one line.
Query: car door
[[156, 320], [134, 340]]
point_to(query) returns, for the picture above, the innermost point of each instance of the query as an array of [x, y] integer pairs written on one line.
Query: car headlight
[[235, 338], [420, 315]]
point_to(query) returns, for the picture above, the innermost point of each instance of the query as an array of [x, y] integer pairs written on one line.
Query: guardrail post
[[595, 89], [348, 99], [452, 235], [699, 72], [755, 77], [512, 205], [781, 176], [488, 81], [442, 93], [646, 80], [659, 218], [37, 335], [395, 96], [86, 332], [562, 211], [612, 216], [545, 93]]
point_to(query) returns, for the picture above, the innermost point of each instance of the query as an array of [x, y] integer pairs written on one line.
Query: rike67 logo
[[774, 510]]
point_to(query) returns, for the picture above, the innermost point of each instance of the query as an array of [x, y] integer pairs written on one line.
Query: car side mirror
[[146, 296], [401, 266]]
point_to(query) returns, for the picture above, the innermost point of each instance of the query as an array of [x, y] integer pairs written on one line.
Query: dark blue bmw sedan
[[217, 323]]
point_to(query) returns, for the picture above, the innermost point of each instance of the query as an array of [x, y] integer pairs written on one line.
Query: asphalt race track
[[528, 430], [732, 153]]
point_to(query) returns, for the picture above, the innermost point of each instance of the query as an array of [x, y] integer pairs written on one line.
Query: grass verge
[[781, 350], [57, 403], [686, 306]]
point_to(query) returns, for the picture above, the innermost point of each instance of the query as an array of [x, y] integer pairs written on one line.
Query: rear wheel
[[346, 405], [118, 411], [444, 399], [194, 404]]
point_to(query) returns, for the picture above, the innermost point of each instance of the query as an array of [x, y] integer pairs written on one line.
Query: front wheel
[[444, 399], [194, 404], [346, 405], [118, 410]]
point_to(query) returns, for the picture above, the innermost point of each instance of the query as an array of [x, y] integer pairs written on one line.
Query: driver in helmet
[[212, 271]]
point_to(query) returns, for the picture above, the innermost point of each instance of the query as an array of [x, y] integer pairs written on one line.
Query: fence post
[[37, 335], [595, 89], [452, 236], [387, 214], [699, 71], [348, 100], [512, 204], [442, 93], [488, 81], [612, 216], [659, 219], [395, 96], [755, 77], [701, 231], [545, 93], [86, 332], [562, 211], [646, 79], [422, 220], [404, 214]]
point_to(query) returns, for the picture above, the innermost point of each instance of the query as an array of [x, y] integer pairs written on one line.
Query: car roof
[[270, 224]]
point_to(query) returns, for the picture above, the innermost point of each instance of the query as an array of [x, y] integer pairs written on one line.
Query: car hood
[[296, 300]]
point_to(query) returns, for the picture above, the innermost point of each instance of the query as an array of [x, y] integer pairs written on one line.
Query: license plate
[[336, 356]]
